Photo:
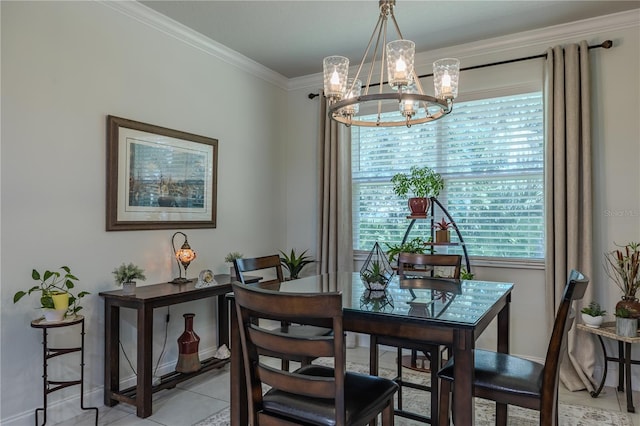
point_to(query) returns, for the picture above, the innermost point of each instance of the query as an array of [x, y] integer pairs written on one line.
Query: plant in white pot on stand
[[57, 300], [593, 315], [125, 276]]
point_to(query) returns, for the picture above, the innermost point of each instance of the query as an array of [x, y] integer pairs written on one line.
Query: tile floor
[[207, 394]]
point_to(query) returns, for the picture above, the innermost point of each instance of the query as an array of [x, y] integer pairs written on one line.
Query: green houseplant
[[375, 277], [593, 314], [416, 245], [423, 183], [125, 275], [56, 296], [294, 263]]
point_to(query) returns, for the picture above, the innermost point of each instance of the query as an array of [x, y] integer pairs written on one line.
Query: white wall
[[65, 67]]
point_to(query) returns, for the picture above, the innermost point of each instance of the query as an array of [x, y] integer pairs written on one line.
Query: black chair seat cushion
[[364, 396], [502, 372]]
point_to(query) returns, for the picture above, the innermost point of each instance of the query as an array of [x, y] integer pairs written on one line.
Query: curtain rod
[[607, 44]]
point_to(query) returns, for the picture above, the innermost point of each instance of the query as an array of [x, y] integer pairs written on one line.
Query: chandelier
[[346, 95]]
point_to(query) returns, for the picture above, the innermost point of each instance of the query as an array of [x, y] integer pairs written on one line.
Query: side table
[[608, 330], [50, 386]]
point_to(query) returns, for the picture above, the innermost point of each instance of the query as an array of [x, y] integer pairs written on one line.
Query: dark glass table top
[[446, 301]]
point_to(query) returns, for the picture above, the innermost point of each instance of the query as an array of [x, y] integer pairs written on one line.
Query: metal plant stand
[[49, 386]]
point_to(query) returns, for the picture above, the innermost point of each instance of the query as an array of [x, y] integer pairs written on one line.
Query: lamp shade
[[336, 69], [400, 57], [354, 88], [445, 78], [185, 255]]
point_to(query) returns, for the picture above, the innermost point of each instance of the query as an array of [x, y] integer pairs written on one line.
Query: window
[[490, 153]]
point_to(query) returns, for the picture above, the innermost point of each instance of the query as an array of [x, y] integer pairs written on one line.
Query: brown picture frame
[[159, 178]]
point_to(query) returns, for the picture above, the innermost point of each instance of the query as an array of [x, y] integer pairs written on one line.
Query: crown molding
[[172, 28], [509, 45]]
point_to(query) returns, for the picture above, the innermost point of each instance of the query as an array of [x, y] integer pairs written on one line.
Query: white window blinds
[[490, 153]]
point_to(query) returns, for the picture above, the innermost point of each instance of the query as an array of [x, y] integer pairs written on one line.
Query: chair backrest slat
[[264, 263], [405, 260], [284, 343], [316, 387]]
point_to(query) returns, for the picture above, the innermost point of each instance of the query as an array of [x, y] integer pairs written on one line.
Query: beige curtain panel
[[335, 247], [568, 201]]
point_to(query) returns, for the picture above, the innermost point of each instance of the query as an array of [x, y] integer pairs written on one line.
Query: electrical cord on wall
[[164, 346]]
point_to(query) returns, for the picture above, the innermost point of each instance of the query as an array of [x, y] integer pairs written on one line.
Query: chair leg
[[501, 414], [445, 398], [399, 375], [285, 365], [387, 415]]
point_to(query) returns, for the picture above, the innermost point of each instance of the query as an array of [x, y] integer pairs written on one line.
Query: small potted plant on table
[[125, 276], [423, 183], [593, 315], [229, 258], [56, 297], [626, 326]]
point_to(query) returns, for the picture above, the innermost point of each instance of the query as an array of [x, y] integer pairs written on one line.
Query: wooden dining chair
[[312, 394], [427, 265], [271, 266], [508, 379]]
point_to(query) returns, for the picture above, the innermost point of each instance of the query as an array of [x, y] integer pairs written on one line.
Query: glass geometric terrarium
[[376, 271]]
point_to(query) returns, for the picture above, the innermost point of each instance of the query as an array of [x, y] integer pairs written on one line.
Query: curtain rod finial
[[607, 44], [313, 95]]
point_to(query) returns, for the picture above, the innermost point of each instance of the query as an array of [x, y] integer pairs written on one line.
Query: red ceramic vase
[[188, 360], [418, 206]]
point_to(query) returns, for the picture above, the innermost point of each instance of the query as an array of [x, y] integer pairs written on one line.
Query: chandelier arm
[[366, 52], [395, 24]]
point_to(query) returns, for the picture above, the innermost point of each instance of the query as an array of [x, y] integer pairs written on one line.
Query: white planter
[[594, 322], [52, 315], [129, 287]]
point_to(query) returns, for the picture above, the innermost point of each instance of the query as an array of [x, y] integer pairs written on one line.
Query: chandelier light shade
[[396, 67], [184, 256], [445, 78]]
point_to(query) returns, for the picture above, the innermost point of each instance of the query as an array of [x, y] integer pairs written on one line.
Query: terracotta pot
[[419, 206], [443, 236], [631, 304]]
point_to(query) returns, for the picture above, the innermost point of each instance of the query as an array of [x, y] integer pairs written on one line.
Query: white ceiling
[[292, 37]]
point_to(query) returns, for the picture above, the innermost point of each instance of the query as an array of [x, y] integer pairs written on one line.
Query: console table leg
[[627, 368], [620, 366]]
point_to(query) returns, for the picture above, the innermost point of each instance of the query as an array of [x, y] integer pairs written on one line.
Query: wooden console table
[[608, 330], [144, 301]]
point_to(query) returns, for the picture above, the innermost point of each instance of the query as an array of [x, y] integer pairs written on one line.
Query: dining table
[[423, 309]]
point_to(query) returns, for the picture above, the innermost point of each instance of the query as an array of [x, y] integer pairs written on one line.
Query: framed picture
[[158, 178]]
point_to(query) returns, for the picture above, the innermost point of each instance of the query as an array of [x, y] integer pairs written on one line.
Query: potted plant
[[466, 275], [423, 183], [622, 265], [593, 315], [626, 326], [442, 231], [229, 258], [294, 263], [417, 245], [125, 276], [374, 277], [56, 298]]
